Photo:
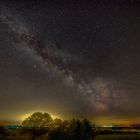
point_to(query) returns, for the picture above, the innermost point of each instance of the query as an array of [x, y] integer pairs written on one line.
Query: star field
[[76, 59]]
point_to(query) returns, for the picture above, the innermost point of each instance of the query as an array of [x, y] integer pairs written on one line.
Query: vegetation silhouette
[[39, 124]]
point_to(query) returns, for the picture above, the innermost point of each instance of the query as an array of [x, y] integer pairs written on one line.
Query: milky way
[[96, 78]]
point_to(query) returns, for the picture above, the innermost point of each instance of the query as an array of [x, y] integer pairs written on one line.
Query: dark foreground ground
[[118, 137], [98, 137]]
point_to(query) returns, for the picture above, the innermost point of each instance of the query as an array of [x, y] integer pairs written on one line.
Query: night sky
[[70, 59]]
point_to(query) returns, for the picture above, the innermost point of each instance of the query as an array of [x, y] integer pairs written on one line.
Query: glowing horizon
[[103, 121]]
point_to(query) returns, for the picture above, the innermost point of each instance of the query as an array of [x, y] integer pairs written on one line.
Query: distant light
[[107, 125]]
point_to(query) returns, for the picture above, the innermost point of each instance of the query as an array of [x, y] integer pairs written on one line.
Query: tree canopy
[[38, 120]]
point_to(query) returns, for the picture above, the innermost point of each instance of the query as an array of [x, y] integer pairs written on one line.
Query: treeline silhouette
[[72, 130], [39, 124]]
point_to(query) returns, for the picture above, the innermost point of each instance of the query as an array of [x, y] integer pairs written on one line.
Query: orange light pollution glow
[[116, 121], [97, 120], [26, 115]]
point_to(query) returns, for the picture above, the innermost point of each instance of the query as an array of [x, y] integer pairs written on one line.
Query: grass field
[[118, 137]]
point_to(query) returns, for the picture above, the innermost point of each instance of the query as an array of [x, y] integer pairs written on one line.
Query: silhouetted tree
[[76, 129], [80, 130], [87, 130], [58, 123], [60, 130], [38, 123]]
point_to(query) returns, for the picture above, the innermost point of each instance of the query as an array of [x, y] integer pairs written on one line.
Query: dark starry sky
[[73, 59]]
